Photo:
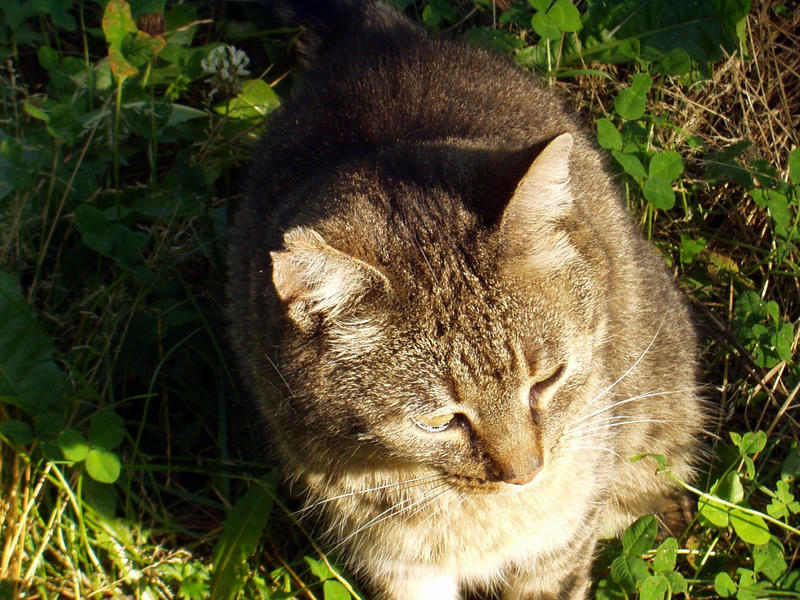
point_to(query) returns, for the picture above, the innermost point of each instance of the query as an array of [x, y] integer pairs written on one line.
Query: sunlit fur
[[428, 231]]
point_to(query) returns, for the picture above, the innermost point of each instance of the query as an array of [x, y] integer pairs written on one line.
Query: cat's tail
[[326, 22]]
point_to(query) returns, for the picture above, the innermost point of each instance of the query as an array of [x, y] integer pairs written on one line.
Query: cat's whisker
[[399, 484], [630, 369], [569, 429], [624, 401], [604, 449], [609, 426]]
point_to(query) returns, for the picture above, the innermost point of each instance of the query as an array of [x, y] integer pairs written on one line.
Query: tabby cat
[[455, 335]]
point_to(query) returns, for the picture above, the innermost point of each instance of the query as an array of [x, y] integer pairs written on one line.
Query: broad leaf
[[73, 445], [639, 537], [608, 136], [659, 192], [751, 528], [102, 465]]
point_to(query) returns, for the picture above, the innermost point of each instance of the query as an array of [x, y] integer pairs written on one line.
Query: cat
[[454, 333]]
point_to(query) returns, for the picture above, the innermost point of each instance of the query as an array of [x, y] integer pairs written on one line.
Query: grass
[[125, 468]]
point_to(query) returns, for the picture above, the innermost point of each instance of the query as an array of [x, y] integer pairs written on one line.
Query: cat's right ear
[[314, 280], [529, 225]]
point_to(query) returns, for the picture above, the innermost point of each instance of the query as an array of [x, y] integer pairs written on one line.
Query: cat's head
[[413, 334]]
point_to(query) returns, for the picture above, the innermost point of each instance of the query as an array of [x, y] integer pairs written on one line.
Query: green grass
[[128, 463]]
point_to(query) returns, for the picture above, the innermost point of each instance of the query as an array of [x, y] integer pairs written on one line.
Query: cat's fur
[[427, 231]]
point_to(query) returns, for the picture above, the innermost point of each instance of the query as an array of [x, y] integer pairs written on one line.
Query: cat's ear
[[313, 279], [542, 196]]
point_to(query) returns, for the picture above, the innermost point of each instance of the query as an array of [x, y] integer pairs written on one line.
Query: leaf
[[751, 528], [608, 136], [639, 537], [790, 470], [106, 430], [729, 488], [769, 559], [690, 248], [318, 568], [256, 100], [91, 224], [334, 590], [715, 512], [668, 165], [73, 445], [794, 165], [628, 571], [630, 163], [17, 430], [540, 4], [659, 192], [629, 104], [117, 22], [654, 587], [545, 26], [753, 442], [677, 583], [29, 377], [127, 245], [724, 585], [641, 83], [676, 62], [102, 465], [240, 535], [565, 15], [667, 552]]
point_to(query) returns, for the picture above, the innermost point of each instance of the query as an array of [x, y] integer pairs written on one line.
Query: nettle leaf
[[658, 192], [29, 377], [608, 136], [565, 15], [102, 465], [639, 537], [668, 165], [106, 430], [334, 590], [545, 26], [630, 163], [73, 445], [724, 585], [751, 528], [666, 554], [654, 587]]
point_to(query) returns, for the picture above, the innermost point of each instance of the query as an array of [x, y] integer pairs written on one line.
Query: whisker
[[612, 425], [417, 481], [594, 448], [625, 401], [631, 368]]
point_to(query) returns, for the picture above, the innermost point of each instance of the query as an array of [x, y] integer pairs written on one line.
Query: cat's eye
[[434, 423], [540, 386]]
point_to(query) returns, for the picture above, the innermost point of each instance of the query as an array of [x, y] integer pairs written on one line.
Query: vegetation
[[125, 126]]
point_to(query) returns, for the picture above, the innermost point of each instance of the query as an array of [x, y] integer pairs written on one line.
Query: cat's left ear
[[528, 225], [312, 278]]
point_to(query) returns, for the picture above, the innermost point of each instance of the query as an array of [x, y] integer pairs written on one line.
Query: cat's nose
[[517, 478]]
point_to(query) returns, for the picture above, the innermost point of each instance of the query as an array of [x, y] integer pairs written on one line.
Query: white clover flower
[[226, 66]]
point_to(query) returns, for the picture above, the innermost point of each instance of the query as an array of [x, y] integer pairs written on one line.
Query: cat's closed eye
[[539, 387], [438, 422]]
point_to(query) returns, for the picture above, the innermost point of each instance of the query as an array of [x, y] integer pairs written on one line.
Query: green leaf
[[91, 224], [659, 192], [641, 83], [667, 552], [677, 62], [629, 571], [654, 587], [790, 470], [565, 15], [334, 590], [545, 26], [608, 136], [127, 245], [794, 165], [73, 445], [690, 248], [318, 568], [29, 377], [753, 442], [677, 583], [639, 537], [751, 528], [769, 559], [630, 163], [106, 430], [255, 101], [724, 585], [240, 535], [540, 4], [729, 488], [117, 22], [102, 465], [19, 431], [667, 165], [629, 104], [715, 512], [782, 341]]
